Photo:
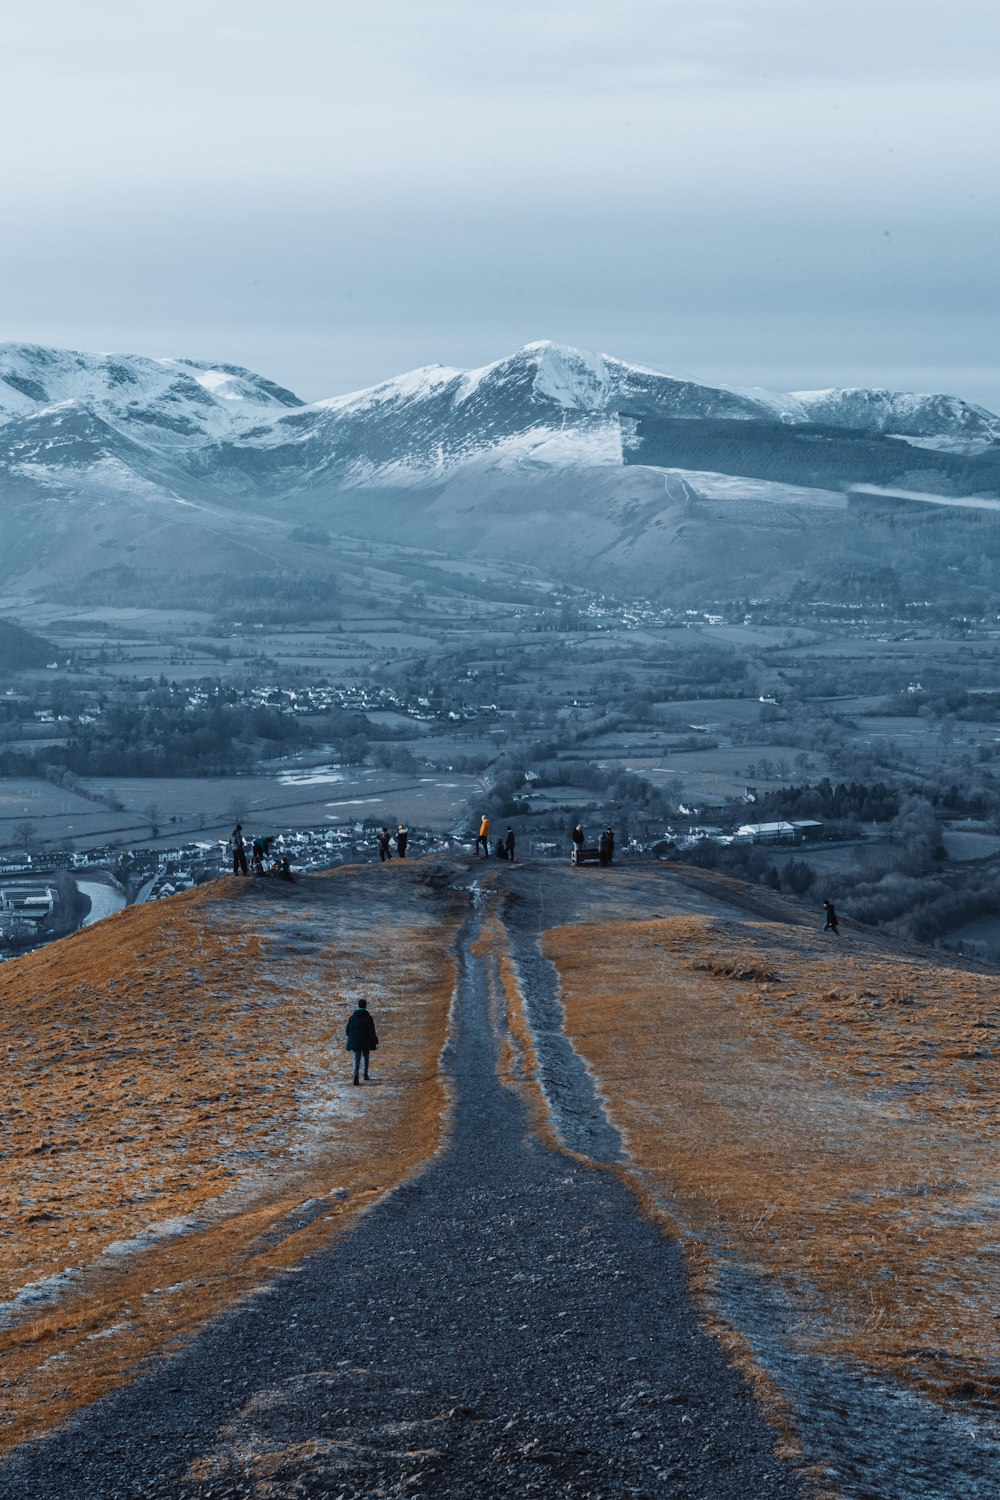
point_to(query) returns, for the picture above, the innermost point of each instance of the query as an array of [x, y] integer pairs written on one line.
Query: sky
[[787, 193]]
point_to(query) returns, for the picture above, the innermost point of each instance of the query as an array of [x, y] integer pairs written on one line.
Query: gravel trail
[[505, 1324]]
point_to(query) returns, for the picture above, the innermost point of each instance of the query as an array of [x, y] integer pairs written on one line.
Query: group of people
[[504, 846], [385, 840], [261, 861], [605, 845]]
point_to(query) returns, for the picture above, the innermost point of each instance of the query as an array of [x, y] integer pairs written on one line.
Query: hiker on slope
[[238, 849], [361, 1038]]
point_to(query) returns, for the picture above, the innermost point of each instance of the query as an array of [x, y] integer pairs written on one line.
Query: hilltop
[[181, 1111]]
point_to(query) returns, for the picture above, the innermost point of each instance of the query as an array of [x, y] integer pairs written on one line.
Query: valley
[[443, 687]]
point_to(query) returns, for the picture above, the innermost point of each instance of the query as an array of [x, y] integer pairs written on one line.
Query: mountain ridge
[[551, 447]]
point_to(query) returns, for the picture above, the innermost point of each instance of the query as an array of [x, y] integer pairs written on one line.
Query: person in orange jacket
[[483, 841]]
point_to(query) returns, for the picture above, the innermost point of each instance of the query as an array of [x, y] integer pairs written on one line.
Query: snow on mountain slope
[[162, 402], [545, 404], [903, 414], [220, 433]]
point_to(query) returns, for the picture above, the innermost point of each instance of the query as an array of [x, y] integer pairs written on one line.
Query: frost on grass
[[821, 1125], [179, 1120]]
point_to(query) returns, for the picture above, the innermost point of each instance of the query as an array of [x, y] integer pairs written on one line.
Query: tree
[[798, 877], [236, 809], [917, 830], [154, 817], [354, 750], [25, 834]]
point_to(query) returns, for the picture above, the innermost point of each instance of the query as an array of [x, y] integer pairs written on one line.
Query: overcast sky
[[792, 193]]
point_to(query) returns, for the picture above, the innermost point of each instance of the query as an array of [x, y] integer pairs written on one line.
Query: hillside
[[811, 1122], [20, 649], [611, 470]]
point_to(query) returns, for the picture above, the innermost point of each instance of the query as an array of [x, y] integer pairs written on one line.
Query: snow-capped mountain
[[165, 402], [557, 406], [546, 403], [167, 459]]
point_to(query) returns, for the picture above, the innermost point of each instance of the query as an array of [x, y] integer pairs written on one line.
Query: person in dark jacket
[[606, 847], [361, 1038], [830, 925], [384, 845], [578, 837], [238, 848], [402, 839], [509, 844]]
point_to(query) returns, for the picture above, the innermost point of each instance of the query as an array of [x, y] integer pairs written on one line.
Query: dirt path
[[508, 1323]]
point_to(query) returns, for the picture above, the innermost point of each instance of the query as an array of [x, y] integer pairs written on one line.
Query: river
[[104, 900]]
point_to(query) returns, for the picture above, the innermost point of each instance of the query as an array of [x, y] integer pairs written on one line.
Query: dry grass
[[183, 1065], [823, 1117]]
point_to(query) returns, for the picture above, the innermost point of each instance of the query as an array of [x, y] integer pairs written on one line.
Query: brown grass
[[823, 1117], [185, 1061]]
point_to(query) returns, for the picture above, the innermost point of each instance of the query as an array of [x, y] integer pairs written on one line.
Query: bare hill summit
[[775, 1285]]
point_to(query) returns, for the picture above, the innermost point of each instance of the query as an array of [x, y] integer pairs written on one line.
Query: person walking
[[402, 838], [384, 846], [238, 849], [578, 842], [509, 844], [831, 924], [362, 1038], [483, 840]]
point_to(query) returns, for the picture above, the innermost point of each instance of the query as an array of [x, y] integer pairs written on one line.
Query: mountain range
[[608, 470]]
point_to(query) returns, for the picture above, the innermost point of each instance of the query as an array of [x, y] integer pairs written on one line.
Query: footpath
[[506, 1323]]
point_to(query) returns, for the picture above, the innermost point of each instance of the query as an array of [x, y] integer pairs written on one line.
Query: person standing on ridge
[[362, 1038], [578, 841], [509, 844], [237, 846], [483, 840], [606, 847], [402, 838], [384, 846], [831, 924]]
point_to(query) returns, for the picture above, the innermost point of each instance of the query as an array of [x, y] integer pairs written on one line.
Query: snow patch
[[573, 378]]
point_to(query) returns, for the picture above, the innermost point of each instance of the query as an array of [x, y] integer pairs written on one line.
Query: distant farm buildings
[[23, 905], [783, 832]]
